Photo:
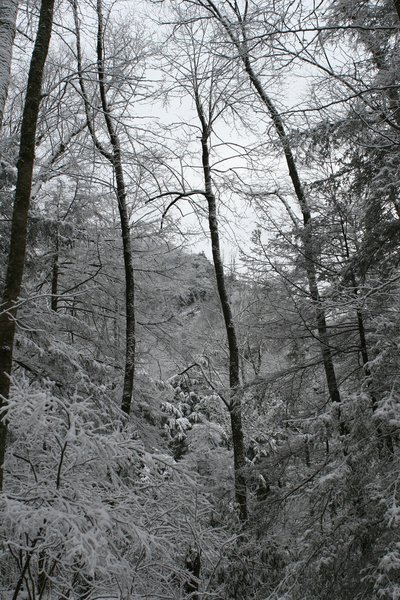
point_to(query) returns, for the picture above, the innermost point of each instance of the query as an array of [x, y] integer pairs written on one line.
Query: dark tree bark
[[235, 409], [193, 565], [130, 338], [54, 274], [386, 437], [307, 237], [397, 7], [240, 44], [16, 258], [115, 160]]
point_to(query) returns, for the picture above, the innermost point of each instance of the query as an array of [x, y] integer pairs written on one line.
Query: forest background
[[177, 424]]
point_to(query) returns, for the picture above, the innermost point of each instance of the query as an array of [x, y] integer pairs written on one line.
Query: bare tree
[[235, 20], [205, 81], [114, 157], [19, 224]]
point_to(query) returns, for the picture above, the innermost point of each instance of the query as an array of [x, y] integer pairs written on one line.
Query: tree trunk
[[235, 408], [54, 274], [383, 437], [115, 160], [397, 7], [16, 259], [130, 338], [8, 18], [308, 246], [193, 566]]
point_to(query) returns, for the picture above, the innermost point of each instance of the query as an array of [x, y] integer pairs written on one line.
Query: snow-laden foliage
[[96, 505], [87, 509]]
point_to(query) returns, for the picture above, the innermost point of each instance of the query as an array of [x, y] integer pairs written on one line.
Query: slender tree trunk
[[360, 319], [397, 7], [42, 575], [235, 409], [386, 437], [385, 440], [193, 566], [115, 160], [24, 571], [308, 246], [130, 338], [8, 18], [16, 259], [54, 274]]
